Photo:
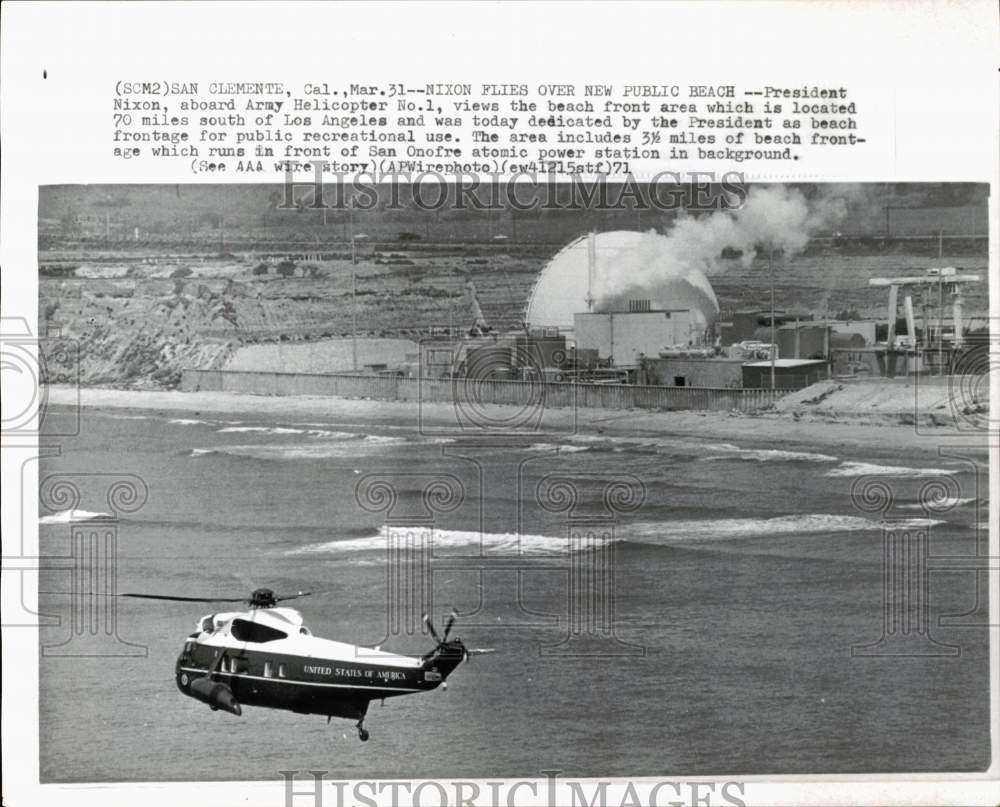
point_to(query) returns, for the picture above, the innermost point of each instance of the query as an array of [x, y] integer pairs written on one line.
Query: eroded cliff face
[[139, 331], [125, 333]]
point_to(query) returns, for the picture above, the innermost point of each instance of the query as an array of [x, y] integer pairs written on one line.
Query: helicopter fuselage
[[267, 657]]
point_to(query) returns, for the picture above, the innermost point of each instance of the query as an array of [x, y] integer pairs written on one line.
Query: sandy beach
[[789, 426]]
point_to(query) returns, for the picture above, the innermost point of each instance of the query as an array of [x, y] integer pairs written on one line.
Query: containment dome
[[604, 271]]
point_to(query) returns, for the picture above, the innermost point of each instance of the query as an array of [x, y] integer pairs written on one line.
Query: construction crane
[[945, 281]]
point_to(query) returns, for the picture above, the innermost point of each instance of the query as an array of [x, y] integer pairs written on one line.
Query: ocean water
[[740, 585]]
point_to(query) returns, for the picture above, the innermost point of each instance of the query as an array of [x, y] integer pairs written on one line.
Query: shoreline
[[883, 431]]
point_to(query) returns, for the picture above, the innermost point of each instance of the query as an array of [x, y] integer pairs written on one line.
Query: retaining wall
[[481, 391]]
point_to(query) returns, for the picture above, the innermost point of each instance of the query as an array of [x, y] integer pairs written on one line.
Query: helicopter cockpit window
[[245, 631]]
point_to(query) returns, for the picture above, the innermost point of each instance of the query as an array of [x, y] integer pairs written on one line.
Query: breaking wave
[[765, 454], [694, 449], [67, 516], [941, 504], [866, 468], [556, 448], [725, 528], [285, 451], [500, 543], [649, 534], [282, 430], [318, 443]]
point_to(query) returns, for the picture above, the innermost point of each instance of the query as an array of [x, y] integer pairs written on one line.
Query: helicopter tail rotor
[[430, 628], [449, 624]]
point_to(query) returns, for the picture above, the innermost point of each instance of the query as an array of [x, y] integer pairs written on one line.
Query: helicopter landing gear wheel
[[362, 731]]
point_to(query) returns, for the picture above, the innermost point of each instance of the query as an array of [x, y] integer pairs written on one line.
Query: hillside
[[132, 329]]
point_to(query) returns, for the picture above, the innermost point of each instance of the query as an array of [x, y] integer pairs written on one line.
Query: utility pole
[[354, 310], [772, 351], [354, 294], [354, 289], [940, 333]]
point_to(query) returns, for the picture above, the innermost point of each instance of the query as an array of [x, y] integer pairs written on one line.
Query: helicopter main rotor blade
[[178, 598], [430, 627], [293, 596], [170, 597]]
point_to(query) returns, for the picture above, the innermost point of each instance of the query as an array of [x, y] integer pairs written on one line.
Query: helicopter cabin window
[[232, 665], [245, 631], [281, 671], [268, 672]]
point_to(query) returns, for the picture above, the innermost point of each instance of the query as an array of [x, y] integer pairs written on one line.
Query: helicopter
[[265, 656]]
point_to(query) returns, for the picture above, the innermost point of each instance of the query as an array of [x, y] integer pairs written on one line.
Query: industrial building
[[581, 324], [692, 371], [625, 337]]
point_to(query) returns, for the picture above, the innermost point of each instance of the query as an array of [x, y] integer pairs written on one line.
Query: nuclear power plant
[[619, 307]]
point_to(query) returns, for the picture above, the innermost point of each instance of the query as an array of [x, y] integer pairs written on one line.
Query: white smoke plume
[[676, 264]]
